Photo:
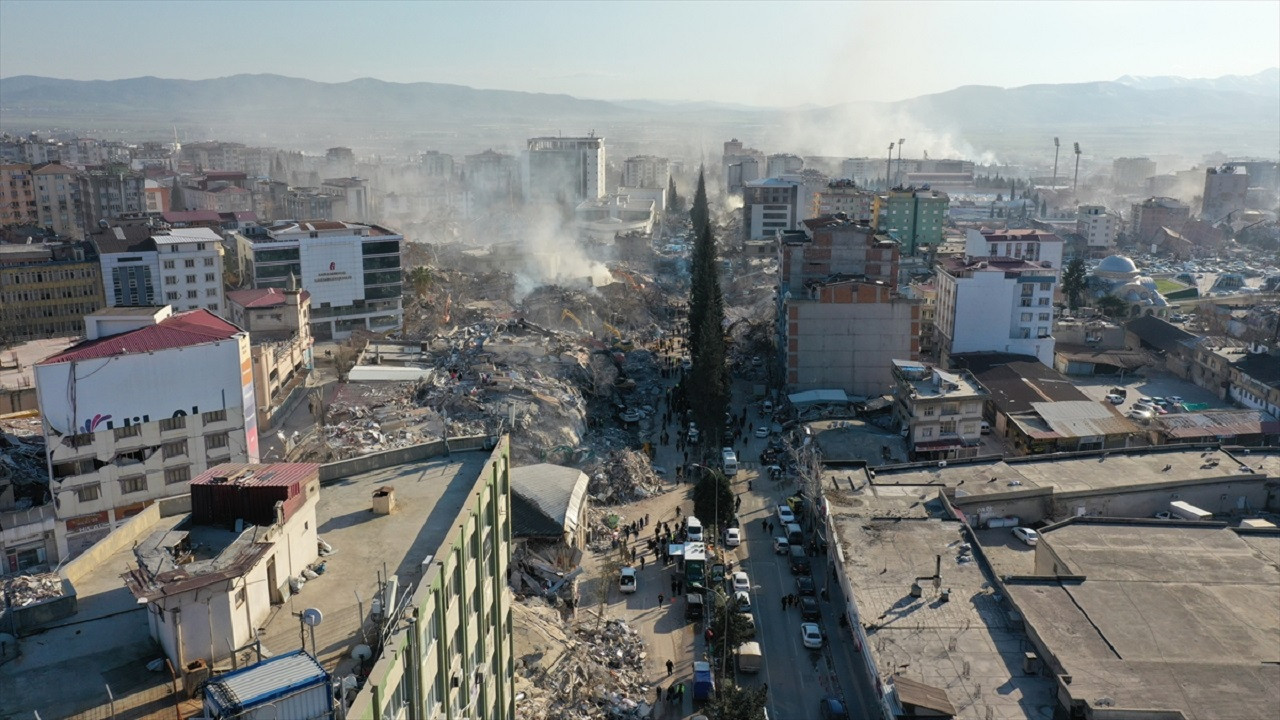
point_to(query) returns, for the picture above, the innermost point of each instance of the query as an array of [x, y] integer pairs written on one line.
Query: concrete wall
[[30, 618], [388, 458], [12, 401], [124, 536]]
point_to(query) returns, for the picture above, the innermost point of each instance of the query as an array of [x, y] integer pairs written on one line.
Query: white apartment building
[[58, 200], [148, 401], [645, 171], [999, 296], [567, 169], [769, 206], [352, 271], [1097, 227], [780, 164], [191, 269], [844, 196]]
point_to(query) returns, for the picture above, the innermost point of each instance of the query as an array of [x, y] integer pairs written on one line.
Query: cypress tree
[[700, 213]]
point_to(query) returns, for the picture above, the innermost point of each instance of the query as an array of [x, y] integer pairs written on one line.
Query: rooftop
[[194, 327], [1218, 423], [300, 227], [1017, 386], [554, 491], [185, 235], [1178, 617], [262, 297], [190, 216], [928, 382], [1157, 333]]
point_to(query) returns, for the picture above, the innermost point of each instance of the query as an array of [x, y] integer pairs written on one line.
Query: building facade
[[17, 195], [1098, 228], [940, 412], [113, 449], [564, 169], [279, 326], [835, 245], [58, 200], [352, 270], [916, 216], [645, 171], [45, 291], [1226, 189], [769, 206], [191, 269], [845, 196], [110, 193], [1148, 216], [1131, 173]]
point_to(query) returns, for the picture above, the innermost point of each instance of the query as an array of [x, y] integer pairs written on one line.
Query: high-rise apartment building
[[645, 171], [845, 196], [1226, 189], [1154, 213], [1131, 173], [17, 195], [58, 200], [564, 169], [915, 216], [352, 271], [1098, 228], [769, 206], [107, 194], [46, 290]]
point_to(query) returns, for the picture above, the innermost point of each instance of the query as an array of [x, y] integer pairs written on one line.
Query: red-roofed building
[[131, 414], [280, 335]]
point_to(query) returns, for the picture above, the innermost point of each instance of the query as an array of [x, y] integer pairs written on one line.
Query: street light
[[901, 142], [888, 172], [1076, 186], [1055, 162]]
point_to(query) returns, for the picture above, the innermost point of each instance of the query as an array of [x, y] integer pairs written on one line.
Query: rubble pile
[[594, 674], [622, 476], [24, 590], [22, 463]]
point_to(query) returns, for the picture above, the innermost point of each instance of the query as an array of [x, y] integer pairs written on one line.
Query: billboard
[[332, 270]]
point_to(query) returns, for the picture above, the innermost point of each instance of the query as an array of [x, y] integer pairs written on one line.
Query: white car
[[762, 431], [812, 635], [732, 537], [741, 583], [744, 601], [627, 580], [781, 546], [1115, 399], [785, 516], [1174, 399], [1026, 535]]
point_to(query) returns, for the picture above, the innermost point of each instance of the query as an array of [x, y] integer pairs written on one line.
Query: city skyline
[[700, 53]]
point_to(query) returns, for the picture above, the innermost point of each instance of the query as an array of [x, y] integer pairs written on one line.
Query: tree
[[735, 702], [700, 213], [420, 279], [713, 498], [1044, 208], [177, 202], [1112, 306], [675, 203], [730, 626], [1073, 281]]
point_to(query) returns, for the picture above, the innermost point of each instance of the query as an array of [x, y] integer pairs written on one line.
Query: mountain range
[[1132, 114]]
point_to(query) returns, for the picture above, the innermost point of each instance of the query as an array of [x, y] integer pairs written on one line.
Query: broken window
[[89, 493]]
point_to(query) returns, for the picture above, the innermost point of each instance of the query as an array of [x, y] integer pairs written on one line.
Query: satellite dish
[[312, 617], [361, 652]]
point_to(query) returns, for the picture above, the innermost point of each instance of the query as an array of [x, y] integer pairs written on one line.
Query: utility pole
[[898, 178], [1075, 186], [888, 172], [1055, 162]]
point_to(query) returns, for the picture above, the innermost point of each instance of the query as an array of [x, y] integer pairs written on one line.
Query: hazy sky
[[758, 53]]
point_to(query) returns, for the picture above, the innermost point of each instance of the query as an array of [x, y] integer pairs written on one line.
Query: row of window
[[52, 311], [133, 483], [84, 272], [74, 291], [191, 279], [190, 263]]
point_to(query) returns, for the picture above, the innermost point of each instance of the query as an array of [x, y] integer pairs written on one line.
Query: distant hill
[[1132, 114]]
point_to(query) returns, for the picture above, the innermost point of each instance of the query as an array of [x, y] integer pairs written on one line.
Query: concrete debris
[[22, 464], [24, 590], [594, 673], [623, 476]]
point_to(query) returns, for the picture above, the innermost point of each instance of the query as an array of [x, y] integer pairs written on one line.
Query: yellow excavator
[[619, 343], [569, 315]]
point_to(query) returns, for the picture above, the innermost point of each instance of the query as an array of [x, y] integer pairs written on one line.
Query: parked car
[[743, 600], [1174, 399], [741, 582], [804, 585], [830, 708], [749, 622], [1026, 535], [762, 431], [627, 580], [1140, 415], [781, 546], [1115, 399], [811, 635], [785, 516], [986, 428], [732, 537], [809, 608]]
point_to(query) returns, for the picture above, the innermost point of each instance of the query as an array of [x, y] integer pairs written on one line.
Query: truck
[[694, 565], [1187, 511], [749, 657], [729, 461], [704, 685]]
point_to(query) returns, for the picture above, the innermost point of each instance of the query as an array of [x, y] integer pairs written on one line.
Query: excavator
[[569, 315], [619, 343]]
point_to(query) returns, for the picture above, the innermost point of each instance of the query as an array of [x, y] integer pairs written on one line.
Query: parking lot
[[1152, 385]]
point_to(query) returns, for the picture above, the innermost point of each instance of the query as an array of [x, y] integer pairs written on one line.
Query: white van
[[693, 529], [729, 460], [750, 657]]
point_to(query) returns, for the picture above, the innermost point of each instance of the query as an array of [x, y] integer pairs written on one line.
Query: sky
[[775, 54]]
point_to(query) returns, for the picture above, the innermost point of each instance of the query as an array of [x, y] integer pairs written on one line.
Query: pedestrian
[[661, 597], [709, 636], [681, 693], [646, 519], [784, 602], [670, 667], [642, 562]]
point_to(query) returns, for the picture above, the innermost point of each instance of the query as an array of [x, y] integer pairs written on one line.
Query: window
[[191, 279], [168, 265], [177, 448], [1024, 302], [1024, 333], [127, 431], [81, 439], [208, 262], [209, 277], [1028, 289], [926, 433], [137, 483], [88, 493], [211, 292], [1042, 332], [193, 294], [1044, 317], [170, 279], [1026, 317], [1044, 301], [177, 475], [217, 440], [171, 296], [240, 597], [189, 263], [173, 423], [1046, 287]]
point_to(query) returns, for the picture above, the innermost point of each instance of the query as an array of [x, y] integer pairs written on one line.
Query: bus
[[694, 565]]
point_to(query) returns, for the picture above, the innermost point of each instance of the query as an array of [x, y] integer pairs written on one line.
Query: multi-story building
[[769, 206], [835, 245], [1098, 228], [916, 216], [84, 152], [436, 164], [861, 170], [998, 296], [845, 196], [780, 164], [279, 326], [58, 200], [645, 171], [130, 264], [339, 162], [1129, 174], [1225, 191], [17, 195], [940, 411], [214, 155], [927, 294], [149, 400], [46, 290], [741, 165], [352, 271], [1154, 213], [303, 203], [350, 197], [492, 177], [564, 169], [191, 269], [110, 193], [812, 185], [845, 333]]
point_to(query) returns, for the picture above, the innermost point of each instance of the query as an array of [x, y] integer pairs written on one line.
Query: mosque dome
[[1117, 265]]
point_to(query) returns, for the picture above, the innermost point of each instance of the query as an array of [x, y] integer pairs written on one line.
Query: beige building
[[17, 195], [58, 199], [280, 342], [939, 412]]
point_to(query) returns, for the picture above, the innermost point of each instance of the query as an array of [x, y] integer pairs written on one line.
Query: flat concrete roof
[[28, 354], [107, 640], [1171, 617], [969, 646], [1073, 472]]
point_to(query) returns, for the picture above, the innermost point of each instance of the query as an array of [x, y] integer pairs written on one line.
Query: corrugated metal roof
[[1217, 423], [1076, 418], [556, 490], [268, 680], [250, 474], [194, 327]]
